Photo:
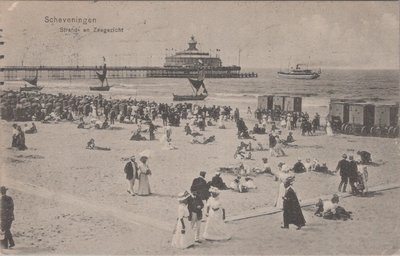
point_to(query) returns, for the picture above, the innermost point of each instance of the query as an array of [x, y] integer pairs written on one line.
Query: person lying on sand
[[202, 140], [92, 145]]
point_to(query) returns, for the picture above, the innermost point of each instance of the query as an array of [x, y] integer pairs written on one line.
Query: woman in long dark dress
[[21, 139], [292, 213]]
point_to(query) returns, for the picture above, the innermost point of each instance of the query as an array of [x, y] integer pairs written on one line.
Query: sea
[[368, 85]]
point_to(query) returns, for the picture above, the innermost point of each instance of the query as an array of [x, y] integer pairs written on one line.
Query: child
[[362, 179]]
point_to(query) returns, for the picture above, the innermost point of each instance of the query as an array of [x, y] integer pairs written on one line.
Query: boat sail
[[102, 77], [33, 82], [196, 85]]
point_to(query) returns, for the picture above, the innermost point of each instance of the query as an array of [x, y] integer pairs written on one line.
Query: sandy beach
[[75, 202]]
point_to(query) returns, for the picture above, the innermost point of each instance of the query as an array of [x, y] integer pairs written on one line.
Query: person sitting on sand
[[209, 122], [289, 139], [137, 134], [278, 147], [166, 143], [308, 165], [331, 210], [260, 147], [217, 182], [221, 124], [240, 153], [266, 168], [237, 185], [249, 183], [92, 145], [245, 146], [105, 124], [299, 167], [365, 157], [31, 129], [258, 130]]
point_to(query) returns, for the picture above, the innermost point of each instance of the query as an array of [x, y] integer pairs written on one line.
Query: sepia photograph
[[199, 128]]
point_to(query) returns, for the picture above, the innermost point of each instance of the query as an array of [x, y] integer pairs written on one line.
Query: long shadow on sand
[[370, 194]]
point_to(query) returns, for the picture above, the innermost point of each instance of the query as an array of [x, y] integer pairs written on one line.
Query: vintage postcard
[[199, 127]]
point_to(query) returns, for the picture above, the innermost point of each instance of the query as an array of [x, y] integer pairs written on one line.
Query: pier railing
[[12, 73]]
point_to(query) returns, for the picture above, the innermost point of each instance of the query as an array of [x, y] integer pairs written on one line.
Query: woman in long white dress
[[282, 176], [329, 131], [215, 228], [183, 233], [144, 173]]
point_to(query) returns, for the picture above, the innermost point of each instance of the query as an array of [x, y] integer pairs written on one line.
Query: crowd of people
[[203, 200]]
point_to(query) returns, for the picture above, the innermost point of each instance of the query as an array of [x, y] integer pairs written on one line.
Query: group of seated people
[[308, 166], [242, 185], [331, 209]]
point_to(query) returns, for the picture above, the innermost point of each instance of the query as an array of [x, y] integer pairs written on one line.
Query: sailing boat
[[196, 85], [33, 82], [102, 77]]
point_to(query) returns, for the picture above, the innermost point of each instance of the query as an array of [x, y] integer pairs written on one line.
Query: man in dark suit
[[130, 170], [200, 186], [353, 175], [195, 206], [7, 217], [343, 166]]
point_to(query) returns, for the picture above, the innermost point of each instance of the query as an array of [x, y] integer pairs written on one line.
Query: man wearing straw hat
[[130, 170], [7, 217]]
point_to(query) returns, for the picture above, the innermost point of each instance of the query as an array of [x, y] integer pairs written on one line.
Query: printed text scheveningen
[[76, 20]]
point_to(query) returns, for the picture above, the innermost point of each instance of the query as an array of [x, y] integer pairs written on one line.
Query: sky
[[357, 35]]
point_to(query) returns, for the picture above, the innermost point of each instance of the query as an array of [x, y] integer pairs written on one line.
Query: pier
[[14, 73]]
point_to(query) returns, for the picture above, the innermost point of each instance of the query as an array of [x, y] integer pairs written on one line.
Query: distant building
[[192, 57]]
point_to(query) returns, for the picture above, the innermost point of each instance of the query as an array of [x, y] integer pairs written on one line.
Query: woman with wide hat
[[292, 213], [144, 173], [215, 229], [183, 236]]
